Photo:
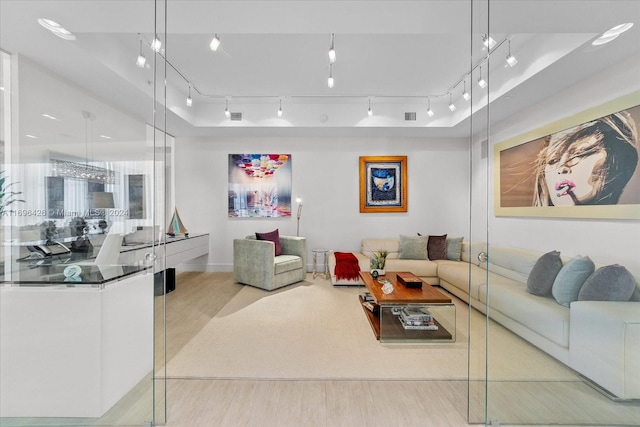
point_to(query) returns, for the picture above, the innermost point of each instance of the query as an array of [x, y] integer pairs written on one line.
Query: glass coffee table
[[408, 314]]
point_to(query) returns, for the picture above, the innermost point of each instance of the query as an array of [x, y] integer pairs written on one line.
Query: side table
[[325, 262]]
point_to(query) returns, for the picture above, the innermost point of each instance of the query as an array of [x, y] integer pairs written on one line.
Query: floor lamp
[[299, 201]]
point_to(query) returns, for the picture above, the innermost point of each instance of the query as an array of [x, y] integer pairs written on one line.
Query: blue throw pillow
[[570, 279], [543, 273], [454, 248]]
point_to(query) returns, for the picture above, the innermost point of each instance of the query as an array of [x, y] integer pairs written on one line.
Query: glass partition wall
[[565, 64], [82, 199]]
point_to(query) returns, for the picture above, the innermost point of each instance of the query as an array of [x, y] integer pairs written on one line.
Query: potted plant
[[377, 262]]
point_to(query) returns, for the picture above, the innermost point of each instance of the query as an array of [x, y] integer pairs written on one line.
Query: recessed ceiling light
[[612, 33], [105, 136], [31, 136], [618, 29], [48, 116], [56, 29], [2, 88]]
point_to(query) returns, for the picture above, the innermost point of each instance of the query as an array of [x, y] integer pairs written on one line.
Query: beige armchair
[[255, 263]]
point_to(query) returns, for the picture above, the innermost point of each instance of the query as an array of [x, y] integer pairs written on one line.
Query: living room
[[450, 161]]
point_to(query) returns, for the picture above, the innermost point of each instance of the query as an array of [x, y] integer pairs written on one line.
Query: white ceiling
[[396, 53]]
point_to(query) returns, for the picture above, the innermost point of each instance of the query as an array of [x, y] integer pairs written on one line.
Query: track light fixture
[[332, 50], [481, 82], [511, 60], [189, 100], [369, 111], [430, 112], [612, 34], [215, 43], [452, 107], [156, 44], [465, 94], [488, 42], [280, 109], [142, 60], [330, 79], [227, 114]]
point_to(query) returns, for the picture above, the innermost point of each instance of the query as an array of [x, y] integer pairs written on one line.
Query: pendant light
[[215, 43], [511, 60], [481, 82], [369, 111], [332, 50], [227, 114], [330, 79], [142, 60], [189, 100], [452, 107], [280, 109], [465, 94], [430, 112]]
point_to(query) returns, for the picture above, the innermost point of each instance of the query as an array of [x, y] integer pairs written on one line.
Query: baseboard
[[602, 390]]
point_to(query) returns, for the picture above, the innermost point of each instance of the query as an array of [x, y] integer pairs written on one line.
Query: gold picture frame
[[383, 184], [534, 173]]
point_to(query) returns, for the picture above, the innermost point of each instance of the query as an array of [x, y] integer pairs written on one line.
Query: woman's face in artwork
[[572, 174]]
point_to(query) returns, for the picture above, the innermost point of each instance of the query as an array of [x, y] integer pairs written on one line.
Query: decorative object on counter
[[409, 280], [72, 273], [176, 226], [377, 262], [48, 231]]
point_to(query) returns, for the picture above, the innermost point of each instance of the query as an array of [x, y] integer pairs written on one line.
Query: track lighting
[[481, 82], [215, 43], [430, 112], [189, 100], [330, 80], [280, 109], [227, 114], [511, 60], [369, 111], [332, 50], [156, 44], [488, 42], [451, 106], [465, 94], [141, 58]]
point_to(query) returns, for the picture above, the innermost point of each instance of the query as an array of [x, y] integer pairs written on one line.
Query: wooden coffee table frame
[[387, 323]]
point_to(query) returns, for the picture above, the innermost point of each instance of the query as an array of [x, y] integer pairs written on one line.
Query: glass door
[[82, 199], [557, 193]]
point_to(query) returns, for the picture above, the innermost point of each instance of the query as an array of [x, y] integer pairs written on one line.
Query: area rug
[[312, 330]]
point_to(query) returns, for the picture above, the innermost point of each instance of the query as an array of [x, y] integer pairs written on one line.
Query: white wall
[[605, 241], [326, 174]]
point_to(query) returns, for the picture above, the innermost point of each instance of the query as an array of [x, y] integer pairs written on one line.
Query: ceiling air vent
[[236, 117], [409, 116]]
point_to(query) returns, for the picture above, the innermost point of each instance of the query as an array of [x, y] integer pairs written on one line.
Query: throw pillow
[[454, 248], [272, 236], [413, 247], [437, 247], [608, 283], [570, 279], [543, 274]]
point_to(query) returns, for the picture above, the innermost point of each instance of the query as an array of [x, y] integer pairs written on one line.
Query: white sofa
[[598, 339]]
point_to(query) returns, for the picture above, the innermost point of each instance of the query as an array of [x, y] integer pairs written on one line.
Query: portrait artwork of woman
[[589, 164]]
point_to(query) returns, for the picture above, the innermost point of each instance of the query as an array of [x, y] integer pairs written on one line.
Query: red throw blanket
[[346, 266]]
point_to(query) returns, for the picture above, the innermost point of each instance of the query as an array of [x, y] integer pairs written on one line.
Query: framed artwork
[[259, 185], [383, 184], [585, 166], [135, 188]]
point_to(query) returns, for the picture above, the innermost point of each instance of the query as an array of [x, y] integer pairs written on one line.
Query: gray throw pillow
[[608, 283], [413, 247], [543, 273], [454, 248], [570, 279]]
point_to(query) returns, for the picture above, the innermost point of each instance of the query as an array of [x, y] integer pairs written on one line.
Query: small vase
[[377, 272]]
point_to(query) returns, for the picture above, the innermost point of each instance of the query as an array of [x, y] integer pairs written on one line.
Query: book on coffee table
[[410, 280]]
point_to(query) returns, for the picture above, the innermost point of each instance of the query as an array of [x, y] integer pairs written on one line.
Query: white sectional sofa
[[598, 339]]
